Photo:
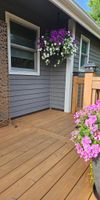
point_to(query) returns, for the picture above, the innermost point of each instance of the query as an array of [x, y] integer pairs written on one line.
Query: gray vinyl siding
[[29, 93], [57, 88], [32, 93], [94, 55]]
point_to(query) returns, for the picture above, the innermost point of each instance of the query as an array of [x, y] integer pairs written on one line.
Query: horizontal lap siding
[[94, 55], [76, 56], [57, 92], [29, 93], [32, 93]]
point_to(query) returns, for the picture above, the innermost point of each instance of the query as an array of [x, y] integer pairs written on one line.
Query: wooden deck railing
[[85, 91], [77, 97], [91, 89], [96, 89]]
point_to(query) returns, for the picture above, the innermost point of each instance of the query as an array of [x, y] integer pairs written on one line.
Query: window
[[84, 51], [24, 58]]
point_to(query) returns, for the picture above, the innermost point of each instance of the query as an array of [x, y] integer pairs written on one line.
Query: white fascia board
[[79, 15]]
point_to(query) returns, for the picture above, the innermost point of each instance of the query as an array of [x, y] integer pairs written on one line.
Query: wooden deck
[[38, 161]]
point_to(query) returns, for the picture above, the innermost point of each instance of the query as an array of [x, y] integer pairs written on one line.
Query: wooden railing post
[[87, 97]]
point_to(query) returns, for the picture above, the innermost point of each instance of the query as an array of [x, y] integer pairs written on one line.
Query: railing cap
[[89, 67]]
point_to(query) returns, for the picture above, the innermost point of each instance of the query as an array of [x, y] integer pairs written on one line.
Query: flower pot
[[96, 171], [95, 192]]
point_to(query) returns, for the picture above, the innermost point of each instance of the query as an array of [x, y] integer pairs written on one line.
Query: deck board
[[82, 185], [92, 197], [38, 160]]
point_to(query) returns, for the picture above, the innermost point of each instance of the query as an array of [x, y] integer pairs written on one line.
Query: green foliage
[[95, 10]]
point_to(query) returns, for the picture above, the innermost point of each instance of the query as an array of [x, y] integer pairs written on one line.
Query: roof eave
[[79, 15]]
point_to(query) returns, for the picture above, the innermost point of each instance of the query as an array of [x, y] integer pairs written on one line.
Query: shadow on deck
[[38, 161]]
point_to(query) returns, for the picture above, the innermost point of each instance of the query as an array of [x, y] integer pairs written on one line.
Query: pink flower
[[79, 148], [87, 133], [86, 140], [92, 119], [98, 102], [97, 135], [95, 148], [86, 156], [94, 128], [74, 134], [77, 121]]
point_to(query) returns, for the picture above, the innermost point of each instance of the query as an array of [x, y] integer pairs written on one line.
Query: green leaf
[[95, 10]]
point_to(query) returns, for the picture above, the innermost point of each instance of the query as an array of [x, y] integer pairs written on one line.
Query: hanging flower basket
[[87, 139], [56, 46]]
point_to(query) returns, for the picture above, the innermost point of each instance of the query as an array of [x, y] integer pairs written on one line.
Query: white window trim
[[88, 53], [14, 18]]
